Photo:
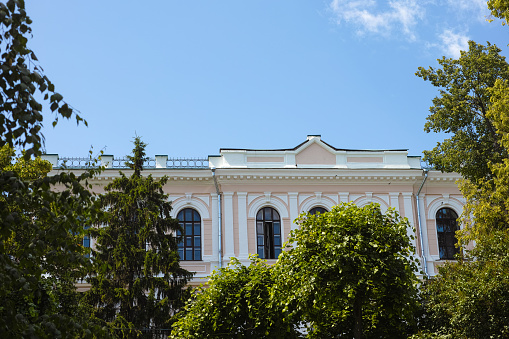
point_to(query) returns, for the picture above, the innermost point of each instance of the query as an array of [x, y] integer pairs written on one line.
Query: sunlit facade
[[245, 201]]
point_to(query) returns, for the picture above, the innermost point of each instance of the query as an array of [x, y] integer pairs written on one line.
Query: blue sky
[[191, 77]]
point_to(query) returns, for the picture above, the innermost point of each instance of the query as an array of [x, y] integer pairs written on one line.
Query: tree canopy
[[461, 110], [40, 255], [21, 77], [237, 303], [499, 9], [350, 272], [470, 298]]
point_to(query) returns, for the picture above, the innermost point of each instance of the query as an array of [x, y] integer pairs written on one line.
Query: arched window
[[190, 246], [447, 226], [316, 210], [268, 233]]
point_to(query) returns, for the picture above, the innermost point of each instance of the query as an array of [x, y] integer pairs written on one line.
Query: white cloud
[[453, 43], [468, 5], [366, 16]]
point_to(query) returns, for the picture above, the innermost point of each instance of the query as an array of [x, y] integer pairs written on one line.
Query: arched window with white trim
[[268, 233], [447, 225], [317, 210], [190, 246]]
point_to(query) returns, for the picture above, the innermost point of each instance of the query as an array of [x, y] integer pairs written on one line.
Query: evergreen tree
[[138, 281]]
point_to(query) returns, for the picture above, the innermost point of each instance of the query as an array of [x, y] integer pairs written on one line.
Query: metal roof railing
[[121, 163]]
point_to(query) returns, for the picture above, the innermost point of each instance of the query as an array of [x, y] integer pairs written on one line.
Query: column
[[228, 227], [215, 230], [424, 232], [394, 200], [294, 208], [243, 229], [409, 214]]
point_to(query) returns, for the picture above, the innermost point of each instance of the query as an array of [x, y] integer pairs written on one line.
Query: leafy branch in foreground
[[21, 78]]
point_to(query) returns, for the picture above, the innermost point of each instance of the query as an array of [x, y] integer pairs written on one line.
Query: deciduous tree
[[38, 270], [350, 273], [499, 9], [237, 303], [461, 110]]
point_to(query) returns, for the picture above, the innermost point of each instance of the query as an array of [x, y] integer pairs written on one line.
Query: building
[[244, 201]]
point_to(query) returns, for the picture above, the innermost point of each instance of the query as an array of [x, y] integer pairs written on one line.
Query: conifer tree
[[138, 282]]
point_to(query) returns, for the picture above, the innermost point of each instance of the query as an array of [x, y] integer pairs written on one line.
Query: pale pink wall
[[265, 159], [365, 159], [287, 222], [207, 236], [432, 236], [251, 234], [315, 154]]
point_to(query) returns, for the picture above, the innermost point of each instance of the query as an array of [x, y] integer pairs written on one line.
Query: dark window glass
[[268, 233], [86, 241], [447, 226], [316, 210], [190, 245]]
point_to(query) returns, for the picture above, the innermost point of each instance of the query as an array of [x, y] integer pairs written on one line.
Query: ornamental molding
[[196, 203]]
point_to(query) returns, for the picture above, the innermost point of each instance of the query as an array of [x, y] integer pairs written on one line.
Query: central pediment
[[314, 153]]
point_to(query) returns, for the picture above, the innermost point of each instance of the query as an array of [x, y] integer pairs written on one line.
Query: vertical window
[[268, 233], [447, 226], [316, 210], [85, 242], [190, 246]]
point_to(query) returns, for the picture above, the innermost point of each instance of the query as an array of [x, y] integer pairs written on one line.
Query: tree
[[470, 298], [237, 303], [138, 281], [21, 78], [350, 273], [499, 9], [37, 270], [461, 110], [41, 257], [25, 168]]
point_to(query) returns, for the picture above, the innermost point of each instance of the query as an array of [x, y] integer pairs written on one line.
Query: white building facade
[[245, 201]]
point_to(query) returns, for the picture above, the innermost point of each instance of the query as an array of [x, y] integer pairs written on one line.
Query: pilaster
[[243, 228], [229, 250]]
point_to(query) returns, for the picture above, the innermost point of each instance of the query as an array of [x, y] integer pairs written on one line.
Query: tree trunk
[[357, 314]]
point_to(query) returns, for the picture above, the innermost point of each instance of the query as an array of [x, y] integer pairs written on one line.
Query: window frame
[[269, 233], [190, 244], [316, 208], [446, 237]]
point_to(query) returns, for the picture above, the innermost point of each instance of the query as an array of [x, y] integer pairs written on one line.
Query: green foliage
[[499, 9], [237, 303], [350, 273], [487, 203], [21, 78], [40, 226], [25, 168], [461, 110], [470, 298], [40, 256], [138, 282]]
